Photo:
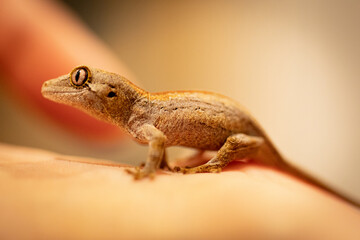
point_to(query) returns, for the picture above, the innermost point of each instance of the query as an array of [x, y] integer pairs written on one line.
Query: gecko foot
[[140, 173]]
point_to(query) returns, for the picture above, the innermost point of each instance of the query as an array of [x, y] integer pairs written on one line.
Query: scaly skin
[[201, 120]]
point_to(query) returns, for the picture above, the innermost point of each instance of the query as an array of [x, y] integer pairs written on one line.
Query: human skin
[[50, 196], [59, 198]]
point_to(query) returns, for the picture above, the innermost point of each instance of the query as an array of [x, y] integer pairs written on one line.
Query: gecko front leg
[[156, 140], [237, 146]]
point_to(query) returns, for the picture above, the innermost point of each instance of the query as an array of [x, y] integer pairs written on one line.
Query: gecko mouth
[[59, 95], [51, 93], [59, 92]]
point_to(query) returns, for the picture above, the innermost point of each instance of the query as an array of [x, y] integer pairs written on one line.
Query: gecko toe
[[139, 173]]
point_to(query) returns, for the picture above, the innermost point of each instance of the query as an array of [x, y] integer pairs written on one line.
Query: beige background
[[293, 64]]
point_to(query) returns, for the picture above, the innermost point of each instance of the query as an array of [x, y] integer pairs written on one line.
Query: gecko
[[196, 119]]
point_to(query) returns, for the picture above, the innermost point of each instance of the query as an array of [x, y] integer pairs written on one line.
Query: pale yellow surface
[[49, 196]]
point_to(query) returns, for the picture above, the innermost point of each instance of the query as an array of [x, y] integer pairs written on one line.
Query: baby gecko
[[195, 119]]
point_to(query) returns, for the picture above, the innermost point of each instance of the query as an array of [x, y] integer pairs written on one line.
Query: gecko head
[[92, 90]]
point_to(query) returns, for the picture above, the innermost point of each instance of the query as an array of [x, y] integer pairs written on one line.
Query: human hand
[[52, 196], [45, 195]]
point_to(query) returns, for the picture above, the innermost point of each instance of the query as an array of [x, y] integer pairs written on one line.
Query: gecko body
[[200, 120], [192, 119]]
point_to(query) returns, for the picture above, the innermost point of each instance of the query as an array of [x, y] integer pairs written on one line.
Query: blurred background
[[294, 64]]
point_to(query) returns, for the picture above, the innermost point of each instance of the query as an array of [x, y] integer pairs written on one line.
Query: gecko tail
[[269, 156], [287, 167]]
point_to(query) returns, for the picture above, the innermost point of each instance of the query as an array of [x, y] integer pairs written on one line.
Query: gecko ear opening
[[111, 94], [80, 76]]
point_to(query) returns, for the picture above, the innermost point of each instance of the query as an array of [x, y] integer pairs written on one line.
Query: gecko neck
[[128, 95]]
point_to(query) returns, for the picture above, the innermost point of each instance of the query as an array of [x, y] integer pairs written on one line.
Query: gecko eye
[[79, 76]]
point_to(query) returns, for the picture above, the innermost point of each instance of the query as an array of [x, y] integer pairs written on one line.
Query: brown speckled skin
[[201, 120]]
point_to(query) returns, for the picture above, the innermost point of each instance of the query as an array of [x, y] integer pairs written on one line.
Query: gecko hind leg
[[237, 146]]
